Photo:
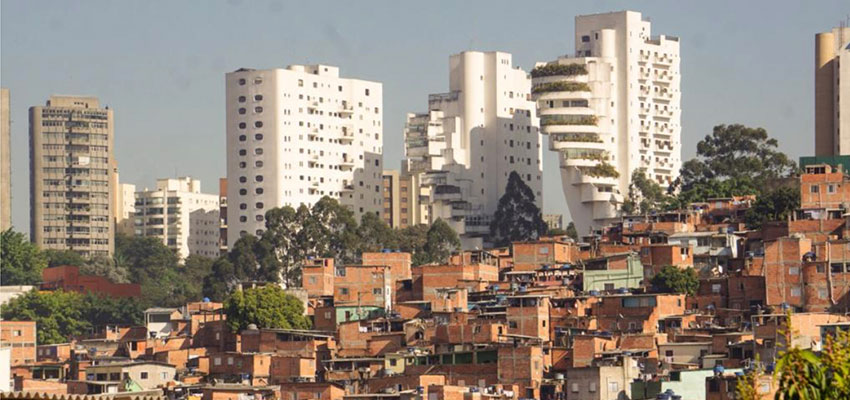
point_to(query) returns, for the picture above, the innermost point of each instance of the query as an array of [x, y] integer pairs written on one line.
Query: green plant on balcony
[[561, 87], [577, 137], [559, 70], [601, 170], [548, 120]]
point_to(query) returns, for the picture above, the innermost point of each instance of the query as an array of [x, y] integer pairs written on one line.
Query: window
[[242, 138], [343, 291], [242, 152], [243, 219], [258, 124], [243, 206], [241, 82], [258, 109], [259, 218], [574, 387], [376, 291], [367, 92], [592, 387], [258, 178], [258, 136], [258, 190], [258, 163], [144, 375], [585, 38], [241, 99], [259, 205], [830, 188], [815, 189], [243, 179], [163, 375], [613, 387], [258, 97], [242, 125], [243, 192], [512, 324], [258, 151]]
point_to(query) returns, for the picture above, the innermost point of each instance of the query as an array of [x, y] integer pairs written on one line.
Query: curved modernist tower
[[611, 109]]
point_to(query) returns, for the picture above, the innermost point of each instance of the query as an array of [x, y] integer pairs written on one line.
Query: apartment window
[[259, 205], [258, 124], [242, 125], [258, 190], [830, 188], [585, 38], [258, 109], [376, 291], [242, 164], [815, 189], [144, 375], [241, 99], [243, 206], [242, 138], [243, 179], [258, 178], [258, 136], [367, 92], [258, 151], [574, 387], [259, 217], [243, 192], [243, 219], [343, 291], [258, 163], [258, 97], [592, 387], [258, 80], [613, 387], [241, 82], [242, 110], [242, 152], [300, 83]]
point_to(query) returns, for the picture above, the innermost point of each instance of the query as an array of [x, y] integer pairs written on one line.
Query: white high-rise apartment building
[[72, 186], [613, 108], [471, 139], [297, 134], [125, 208], [176, 212]]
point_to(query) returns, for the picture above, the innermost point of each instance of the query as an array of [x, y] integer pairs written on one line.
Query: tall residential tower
[[471, 139], [5, 162], [297, 134], [832, 107], [71, 176], [609, 110]]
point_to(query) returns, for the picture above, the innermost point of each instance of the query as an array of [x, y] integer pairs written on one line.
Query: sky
[[160, 65]]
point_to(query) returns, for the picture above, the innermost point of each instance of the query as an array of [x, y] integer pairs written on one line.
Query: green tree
[[282, 230], [517, 217], [57, 258], [676, 280], [334, 231], [645, 195], [374, 234], [106, 267], [412, 239], [441, 240], [154, 267], [221, 280], [21, 262], [739, 153], [267, 307], [60, 315], [571, 231], [194, 271], [775, 205]]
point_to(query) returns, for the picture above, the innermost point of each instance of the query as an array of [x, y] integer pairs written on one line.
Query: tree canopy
[[517, 216], [267, 307], [775, 205], [645, 195], [676, 280], [21, 262], [746, 156], [60, 315]]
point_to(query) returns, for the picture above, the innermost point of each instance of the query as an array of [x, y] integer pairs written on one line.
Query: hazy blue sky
[[160, 65]]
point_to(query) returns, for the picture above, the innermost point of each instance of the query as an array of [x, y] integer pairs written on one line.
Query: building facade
[[401, 200], [222, 207], [832, 110], [71, 176], [297, 134], [125, 208], [611, 109], [471, 139], [5, 162], [185, 219]]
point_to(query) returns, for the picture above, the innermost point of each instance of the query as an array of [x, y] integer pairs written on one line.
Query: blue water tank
[[206, 300], [623, 290], [594, 293], [386, 251], [718, 369]]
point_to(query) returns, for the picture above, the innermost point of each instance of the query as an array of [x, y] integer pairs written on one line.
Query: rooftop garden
[[561, 87], [587, 137], [601, 170], [559, 70], [547, 120]]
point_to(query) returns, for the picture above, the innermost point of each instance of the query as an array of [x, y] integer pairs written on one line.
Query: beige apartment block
[[832, 115], [71, 176]]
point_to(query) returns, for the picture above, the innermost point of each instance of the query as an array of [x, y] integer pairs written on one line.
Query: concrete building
[[554, 221], [609, 110], [9, 292], [832, 110], [297, 134], [185, 219], [72, 187], [5, 162], [125, 208], [401, 200], [471, 139], [147, 375], [222, 211]]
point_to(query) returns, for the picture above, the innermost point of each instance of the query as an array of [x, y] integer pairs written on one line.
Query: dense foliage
[[645, 195], [60, 315], [676, 280], [561, 87], [559, 70], [266, 307], [517, 216], [775, 205], [21, 262]]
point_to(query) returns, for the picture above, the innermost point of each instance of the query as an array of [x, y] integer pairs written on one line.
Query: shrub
[[558, 70], [561, 87]]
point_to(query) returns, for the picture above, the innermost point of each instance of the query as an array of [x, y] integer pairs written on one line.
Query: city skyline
[[173, 93]]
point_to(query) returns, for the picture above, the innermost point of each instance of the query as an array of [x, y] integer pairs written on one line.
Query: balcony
[[346, 109], [346, 163], [447, 193]]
